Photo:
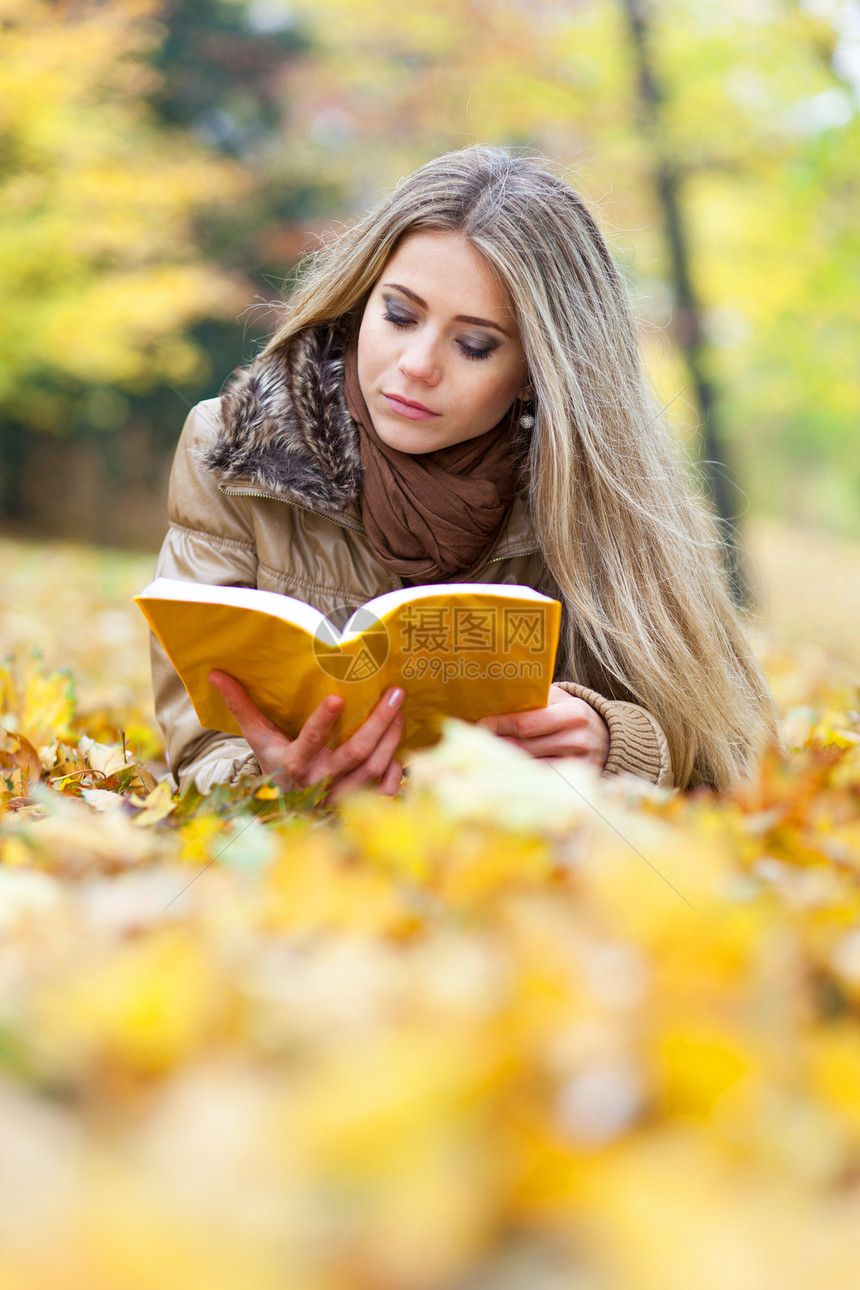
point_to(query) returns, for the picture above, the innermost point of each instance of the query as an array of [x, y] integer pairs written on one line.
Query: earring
[[527, 419]]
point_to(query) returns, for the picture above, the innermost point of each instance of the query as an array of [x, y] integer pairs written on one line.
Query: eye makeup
[[476, 352], [472, 347], [393, 315]]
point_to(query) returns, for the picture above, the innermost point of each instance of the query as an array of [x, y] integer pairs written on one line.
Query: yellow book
[[462, 649]]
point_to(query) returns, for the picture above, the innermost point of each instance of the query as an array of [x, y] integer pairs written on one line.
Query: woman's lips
[[412, 411]]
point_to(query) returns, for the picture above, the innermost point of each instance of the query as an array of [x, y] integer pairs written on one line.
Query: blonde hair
[[633, 551]]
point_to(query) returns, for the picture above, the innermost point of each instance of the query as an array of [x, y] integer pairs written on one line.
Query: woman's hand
[[364, 758], [566, 727]]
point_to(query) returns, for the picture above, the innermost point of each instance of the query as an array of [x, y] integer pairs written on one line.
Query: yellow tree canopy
[[100, 271]]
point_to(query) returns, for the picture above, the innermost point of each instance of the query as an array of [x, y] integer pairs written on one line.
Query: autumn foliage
[[515, 1028], [99, 261]]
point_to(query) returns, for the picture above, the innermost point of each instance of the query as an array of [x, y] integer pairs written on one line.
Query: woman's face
[[439, 354]]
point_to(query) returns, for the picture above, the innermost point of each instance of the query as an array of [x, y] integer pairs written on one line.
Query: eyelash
[[474, 355]]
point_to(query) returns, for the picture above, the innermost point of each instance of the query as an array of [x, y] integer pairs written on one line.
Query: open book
[[458, 649]]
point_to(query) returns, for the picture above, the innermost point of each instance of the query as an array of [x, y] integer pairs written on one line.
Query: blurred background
[[163, 166]]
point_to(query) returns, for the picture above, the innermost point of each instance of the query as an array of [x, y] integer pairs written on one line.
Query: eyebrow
[[466, 318]]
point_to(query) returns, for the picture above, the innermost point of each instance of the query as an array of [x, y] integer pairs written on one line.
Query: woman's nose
[[420, 360]]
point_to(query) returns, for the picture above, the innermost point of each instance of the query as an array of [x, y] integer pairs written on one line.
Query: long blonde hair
[[633, 550]]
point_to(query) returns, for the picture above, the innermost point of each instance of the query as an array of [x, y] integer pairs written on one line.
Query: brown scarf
[[433, 514]]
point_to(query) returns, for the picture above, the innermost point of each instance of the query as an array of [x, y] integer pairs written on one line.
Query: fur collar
[[285, 427]]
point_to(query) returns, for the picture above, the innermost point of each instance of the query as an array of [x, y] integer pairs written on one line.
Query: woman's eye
[[473, 352], [399, 320]]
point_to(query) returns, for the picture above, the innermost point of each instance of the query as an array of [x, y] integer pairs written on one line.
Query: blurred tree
[[222, 69], [667, 181], [761, 103], [759, 126], [219, 68], [145, 199], [162, 163], [100, 269]]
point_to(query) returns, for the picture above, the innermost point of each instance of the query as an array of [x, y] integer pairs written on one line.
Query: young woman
[[456, 394]]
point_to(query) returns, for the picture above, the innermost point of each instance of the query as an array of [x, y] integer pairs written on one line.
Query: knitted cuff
[[637, 745]]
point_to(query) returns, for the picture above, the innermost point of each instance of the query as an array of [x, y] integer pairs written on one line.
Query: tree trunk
[[687, 321]]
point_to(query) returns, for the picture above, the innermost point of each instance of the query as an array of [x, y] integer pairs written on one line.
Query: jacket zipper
[[273, 497], [513, 555]]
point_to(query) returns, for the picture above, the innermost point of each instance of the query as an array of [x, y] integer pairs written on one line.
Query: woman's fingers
[[311, 740], [364, 757], [568, 727], [253, 723], [379, 760], [387, 785], [391, 780], [530, 725], [563, 712], [562, 744], [375, 767], [291, 759], [378, 764], [356, 750]]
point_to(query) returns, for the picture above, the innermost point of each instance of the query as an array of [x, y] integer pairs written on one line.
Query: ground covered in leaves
[[516, 1030]]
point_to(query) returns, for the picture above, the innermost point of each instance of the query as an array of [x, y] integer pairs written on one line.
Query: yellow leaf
[[40, 705], [268, 793], [148, 1006], [699, 1064], [156, 807]]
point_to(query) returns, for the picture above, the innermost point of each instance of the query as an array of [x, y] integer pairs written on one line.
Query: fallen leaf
[[101, 799], [103, 758], [16, 751], [156, 807]]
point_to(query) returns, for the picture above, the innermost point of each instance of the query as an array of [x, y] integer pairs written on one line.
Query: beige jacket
[[253, 506]]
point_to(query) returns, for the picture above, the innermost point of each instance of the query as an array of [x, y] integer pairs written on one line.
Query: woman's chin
[[410, 438]]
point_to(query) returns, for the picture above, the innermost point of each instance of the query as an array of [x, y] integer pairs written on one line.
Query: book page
[[385, 604], [273, 603]]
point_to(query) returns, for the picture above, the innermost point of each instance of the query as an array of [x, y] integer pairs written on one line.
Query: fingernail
[[395, 697]]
